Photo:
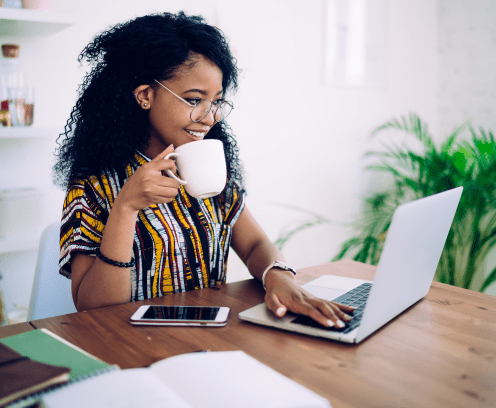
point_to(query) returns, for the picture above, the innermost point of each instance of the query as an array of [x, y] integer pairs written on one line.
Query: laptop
[[409, 259]]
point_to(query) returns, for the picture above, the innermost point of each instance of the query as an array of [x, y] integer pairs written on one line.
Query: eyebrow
[[203, 92]]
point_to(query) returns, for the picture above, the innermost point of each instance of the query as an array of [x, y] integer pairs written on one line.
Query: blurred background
[[317, 78]]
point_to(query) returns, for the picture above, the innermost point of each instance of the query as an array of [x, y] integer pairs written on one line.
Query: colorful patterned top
[[179, 246]]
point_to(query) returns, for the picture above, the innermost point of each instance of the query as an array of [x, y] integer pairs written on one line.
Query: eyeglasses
[[202, 107]]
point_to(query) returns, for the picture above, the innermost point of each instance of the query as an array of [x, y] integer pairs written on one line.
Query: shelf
[[22, 23], [26, 132], [16, 243]]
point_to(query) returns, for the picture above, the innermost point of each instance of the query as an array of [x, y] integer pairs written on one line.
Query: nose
[[209, 120]]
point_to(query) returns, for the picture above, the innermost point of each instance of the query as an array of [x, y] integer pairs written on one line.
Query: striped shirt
[[179, 246]]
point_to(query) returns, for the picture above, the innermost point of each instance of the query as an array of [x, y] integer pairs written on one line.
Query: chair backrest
[[51, 294]]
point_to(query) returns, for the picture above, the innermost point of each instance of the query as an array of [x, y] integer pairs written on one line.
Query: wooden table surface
[[441, 352]]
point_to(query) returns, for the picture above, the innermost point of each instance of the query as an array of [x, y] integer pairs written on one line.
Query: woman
[[150, 78]]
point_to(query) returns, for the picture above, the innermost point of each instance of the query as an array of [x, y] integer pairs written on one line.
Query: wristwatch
[[277, 264]]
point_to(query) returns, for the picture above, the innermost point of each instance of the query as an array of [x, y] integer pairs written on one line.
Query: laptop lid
[[409, 259]]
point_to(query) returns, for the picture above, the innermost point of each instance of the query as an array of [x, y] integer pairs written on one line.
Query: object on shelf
[[11, 3], [17, 100], [21, 105], [43, 5], [20, 212]]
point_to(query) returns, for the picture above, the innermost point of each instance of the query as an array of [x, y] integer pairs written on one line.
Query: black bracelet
[[115, 263]]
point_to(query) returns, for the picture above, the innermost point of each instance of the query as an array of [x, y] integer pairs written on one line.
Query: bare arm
[[283, 293], [96, 283], [253, 246]]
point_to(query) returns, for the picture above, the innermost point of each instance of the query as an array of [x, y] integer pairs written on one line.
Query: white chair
[[51, 294]]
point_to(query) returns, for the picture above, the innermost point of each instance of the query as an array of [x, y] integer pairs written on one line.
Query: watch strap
[[277, 264]]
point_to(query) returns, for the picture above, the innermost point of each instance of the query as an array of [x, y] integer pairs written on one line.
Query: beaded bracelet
[[115, 263]]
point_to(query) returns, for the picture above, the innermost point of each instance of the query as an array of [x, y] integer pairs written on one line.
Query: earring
[[145, 105]]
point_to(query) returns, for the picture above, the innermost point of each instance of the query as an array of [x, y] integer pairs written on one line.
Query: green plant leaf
[[489, 280]]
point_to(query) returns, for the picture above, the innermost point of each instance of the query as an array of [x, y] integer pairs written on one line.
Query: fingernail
[[280, 311], [340, 324], [172, 146], [347, 317], [330, 323]]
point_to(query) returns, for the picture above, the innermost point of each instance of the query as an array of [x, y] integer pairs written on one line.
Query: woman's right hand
[[148, 185]]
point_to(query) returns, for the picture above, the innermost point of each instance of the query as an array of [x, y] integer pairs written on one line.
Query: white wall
[[467, 59], [302, 141]]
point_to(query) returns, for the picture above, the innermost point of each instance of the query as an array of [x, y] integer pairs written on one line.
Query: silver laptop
[[413, 246]]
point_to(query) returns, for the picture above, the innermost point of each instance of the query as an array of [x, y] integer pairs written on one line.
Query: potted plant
[[468, 162]]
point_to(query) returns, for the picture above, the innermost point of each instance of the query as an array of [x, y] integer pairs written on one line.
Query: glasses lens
[[201, 110], [221, 112], [224, 111]]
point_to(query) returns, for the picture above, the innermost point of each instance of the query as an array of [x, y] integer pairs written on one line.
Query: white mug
[[201, 166]]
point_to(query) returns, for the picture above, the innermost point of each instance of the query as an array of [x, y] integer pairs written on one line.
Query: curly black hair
[[106, 125]]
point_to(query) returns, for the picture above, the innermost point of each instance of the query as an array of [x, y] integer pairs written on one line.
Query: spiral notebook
[[22, 376], [46, 347]]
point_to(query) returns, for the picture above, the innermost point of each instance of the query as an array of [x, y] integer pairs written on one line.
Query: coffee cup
[[201, 167]]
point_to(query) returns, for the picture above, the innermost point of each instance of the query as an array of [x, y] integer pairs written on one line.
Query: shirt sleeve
[[84, 216], [234, 202]]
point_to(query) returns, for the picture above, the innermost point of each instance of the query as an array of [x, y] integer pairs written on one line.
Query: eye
[[219, 102], [193, 101]]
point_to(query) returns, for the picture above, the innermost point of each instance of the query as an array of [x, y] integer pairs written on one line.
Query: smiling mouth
[[198, 135]]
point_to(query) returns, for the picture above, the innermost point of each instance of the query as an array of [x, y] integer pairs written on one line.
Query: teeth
[[195, 134]]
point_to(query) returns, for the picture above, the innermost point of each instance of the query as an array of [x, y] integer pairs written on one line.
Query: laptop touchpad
[[323, 293], [330, 286]]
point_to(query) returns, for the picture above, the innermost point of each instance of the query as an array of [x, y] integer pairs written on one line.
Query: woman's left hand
[[283, 294]]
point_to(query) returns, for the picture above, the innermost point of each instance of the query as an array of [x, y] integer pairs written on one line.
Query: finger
[[304, 308], [161, 156], [346, 308], [167, 182], [331, 311], [166, 195], [169, 187], [336, 307], [299, 306], [155, 186], [274, 305], [163, 165]]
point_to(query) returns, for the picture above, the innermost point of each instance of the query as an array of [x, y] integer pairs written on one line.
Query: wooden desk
[[440, 353], [12, 329]]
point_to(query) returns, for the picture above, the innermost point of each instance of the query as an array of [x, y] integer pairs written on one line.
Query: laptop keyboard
[[356, 297]]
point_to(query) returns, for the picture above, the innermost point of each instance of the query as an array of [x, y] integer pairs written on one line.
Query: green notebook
[[44, 346]]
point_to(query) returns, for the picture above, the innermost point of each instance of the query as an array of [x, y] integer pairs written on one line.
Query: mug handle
[[170, 173]]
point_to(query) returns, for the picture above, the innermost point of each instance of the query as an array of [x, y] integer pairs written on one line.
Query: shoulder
[[232, 201], [232, 193]]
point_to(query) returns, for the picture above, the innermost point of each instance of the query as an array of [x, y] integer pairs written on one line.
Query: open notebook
[[218, 379]]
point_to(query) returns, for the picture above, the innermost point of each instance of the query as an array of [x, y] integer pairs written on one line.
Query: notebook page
[[226, 379], [130, 388]]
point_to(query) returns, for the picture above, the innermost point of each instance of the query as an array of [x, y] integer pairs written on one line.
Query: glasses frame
[[201, 100]]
